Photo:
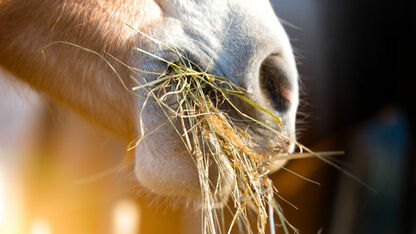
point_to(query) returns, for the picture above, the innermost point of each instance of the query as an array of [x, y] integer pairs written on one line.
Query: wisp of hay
[[211, 136]]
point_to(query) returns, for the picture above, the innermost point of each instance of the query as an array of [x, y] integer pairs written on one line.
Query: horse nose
[[278, 90], [277, 83]]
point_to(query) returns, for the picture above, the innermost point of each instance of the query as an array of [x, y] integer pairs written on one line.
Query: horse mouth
[[195, 99], [230, 147]]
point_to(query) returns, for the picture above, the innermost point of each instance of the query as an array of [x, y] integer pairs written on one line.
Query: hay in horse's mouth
[[212, 136]]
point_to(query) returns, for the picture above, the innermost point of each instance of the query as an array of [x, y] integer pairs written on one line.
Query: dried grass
[[211, 136]]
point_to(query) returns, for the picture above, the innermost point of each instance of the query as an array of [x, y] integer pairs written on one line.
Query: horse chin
[[175, 175], [166, 175]]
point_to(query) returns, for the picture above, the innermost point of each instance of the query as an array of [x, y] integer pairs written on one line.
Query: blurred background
[[355, 61]]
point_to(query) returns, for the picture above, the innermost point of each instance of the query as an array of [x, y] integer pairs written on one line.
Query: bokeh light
[[11, 211], [126, 216], [40, 226], [2, 199]]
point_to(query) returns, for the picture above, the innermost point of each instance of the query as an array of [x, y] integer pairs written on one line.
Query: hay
[[211, 136]]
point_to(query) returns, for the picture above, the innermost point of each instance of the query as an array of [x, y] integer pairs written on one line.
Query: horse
[[41, 45]]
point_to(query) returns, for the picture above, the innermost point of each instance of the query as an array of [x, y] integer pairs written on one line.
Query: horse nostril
[[275, 83]]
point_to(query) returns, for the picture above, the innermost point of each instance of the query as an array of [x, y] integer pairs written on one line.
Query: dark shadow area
[[355, 64]]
